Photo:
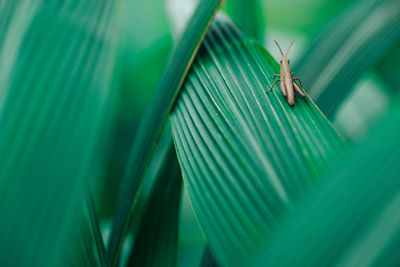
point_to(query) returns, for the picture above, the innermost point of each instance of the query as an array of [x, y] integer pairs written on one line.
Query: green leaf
[[56, 101], [346, 48], [95, 229], [144, 53], [154, 119], [388, 67], [305, 17], [208, 259], [248, 16], [161, 173], [353, 219], [246, 155], [157, 241], [191, 238], [79, 249], [153, 174], [367, 104]]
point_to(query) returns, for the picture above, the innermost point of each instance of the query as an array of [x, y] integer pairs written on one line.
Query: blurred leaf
[[191, 238], [79, 250], [248, 16], [153, 121], [208, 258], [153, 175], [179, 12], [95, 229], [388, 67], [245, 155], [56, 99], [363, 108], [353, 219], [305, 17], [347, 47], [157, 241], [144, 50], [151, 24], [143, 53], [140, 75]]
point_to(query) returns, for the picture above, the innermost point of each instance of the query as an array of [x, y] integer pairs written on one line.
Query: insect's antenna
[[290, 46], [279, 47]]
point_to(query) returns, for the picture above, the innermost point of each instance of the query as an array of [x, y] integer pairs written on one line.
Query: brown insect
[[288, 86]]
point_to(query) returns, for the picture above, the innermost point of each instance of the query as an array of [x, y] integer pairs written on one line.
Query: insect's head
[[287, 61]]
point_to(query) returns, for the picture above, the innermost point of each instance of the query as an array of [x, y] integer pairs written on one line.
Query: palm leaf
[[245, 155]]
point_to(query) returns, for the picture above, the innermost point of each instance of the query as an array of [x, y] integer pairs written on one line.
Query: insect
[[288, 85]]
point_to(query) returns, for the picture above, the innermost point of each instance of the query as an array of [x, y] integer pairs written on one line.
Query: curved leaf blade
[[95, 229], [154, 119], [245, 155]]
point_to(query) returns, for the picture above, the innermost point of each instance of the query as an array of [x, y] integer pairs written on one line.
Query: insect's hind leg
[[298, 79], [298, 90], [272, 86]]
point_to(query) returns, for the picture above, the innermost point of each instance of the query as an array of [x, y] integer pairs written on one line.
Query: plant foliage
[[245, 155]]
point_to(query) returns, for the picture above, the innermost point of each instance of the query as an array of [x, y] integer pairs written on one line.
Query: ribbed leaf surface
[[56, 98], [245, 155]]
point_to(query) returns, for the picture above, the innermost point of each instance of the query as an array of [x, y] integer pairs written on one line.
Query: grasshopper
[[288, 86]]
